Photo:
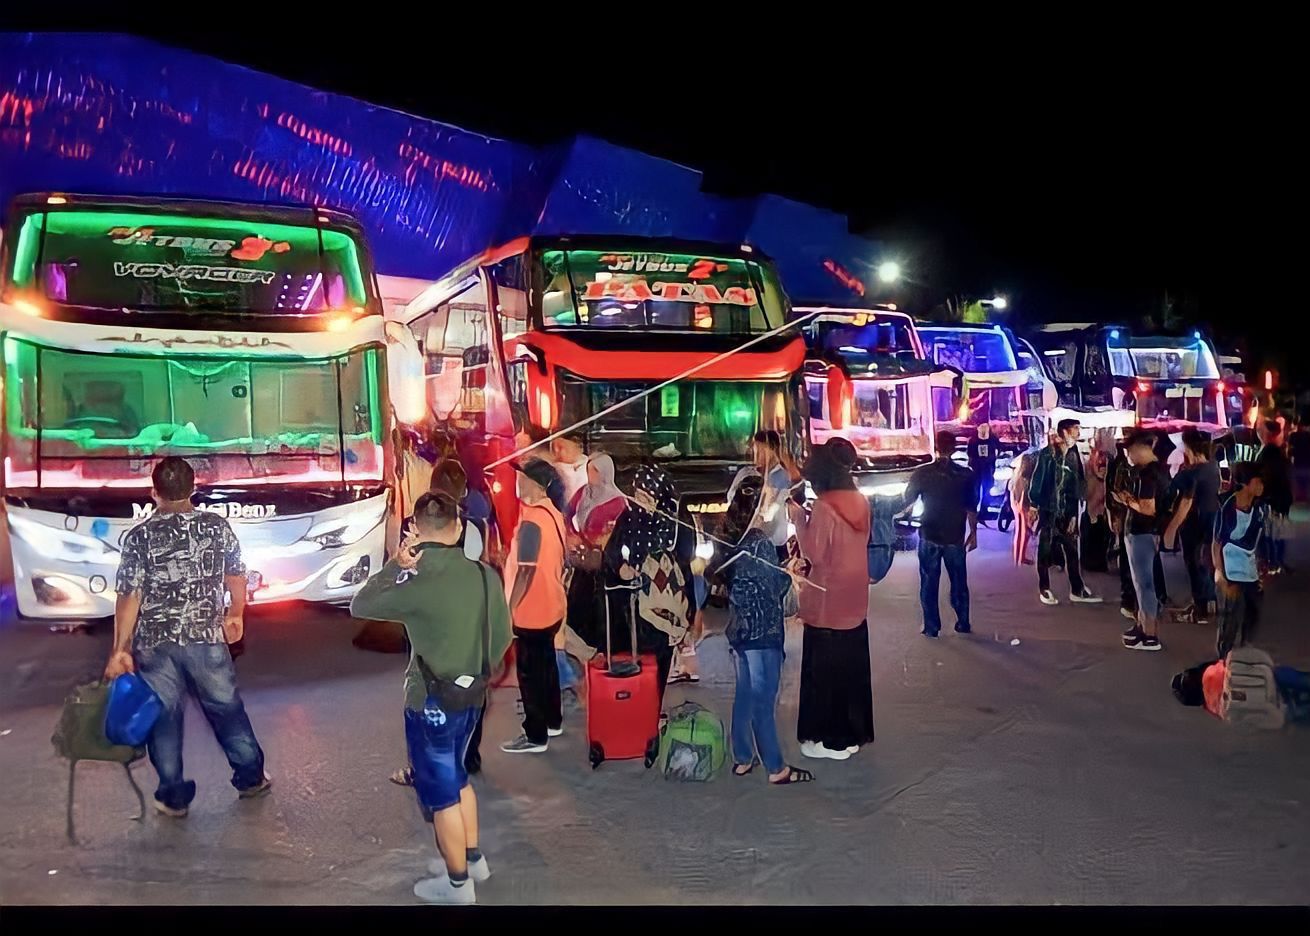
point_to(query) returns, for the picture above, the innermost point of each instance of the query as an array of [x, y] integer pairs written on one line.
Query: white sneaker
[[1085, 597], [819, 751], [439, 890], [1047, 597], [554, 732], [479, 871], [853, 749]]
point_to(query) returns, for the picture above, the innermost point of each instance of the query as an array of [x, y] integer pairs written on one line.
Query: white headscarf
[[595, 495]]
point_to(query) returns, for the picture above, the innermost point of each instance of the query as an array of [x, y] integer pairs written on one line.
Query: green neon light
[[374, 394], [98, 223], [29, 242]]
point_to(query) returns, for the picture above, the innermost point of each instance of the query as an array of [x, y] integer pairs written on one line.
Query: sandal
[[794, 775], [683, 677], [403, 777], [737, 768]]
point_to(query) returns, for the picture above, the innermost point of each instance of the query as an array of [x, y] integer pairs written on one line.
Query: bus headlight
[[62, 545], [345, 530]]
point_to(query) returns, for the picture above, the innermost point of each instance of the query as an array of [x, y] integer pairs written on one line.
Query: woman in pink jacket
[[836, 695]]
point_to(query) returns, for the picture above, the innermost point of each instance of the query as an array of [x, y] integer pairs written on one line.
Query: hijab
[[595, 495], [829, 466], [651, 533]]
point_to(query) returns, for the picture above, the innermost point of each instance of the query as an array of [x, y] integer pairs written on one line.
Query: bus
[[1112, 375], [868, 380], [248, 339], [546, 333], [992, 387]]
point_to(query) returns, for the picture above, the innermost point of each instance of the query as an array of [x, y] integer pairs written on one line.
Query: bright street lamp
[[889, 271], [997, 302]]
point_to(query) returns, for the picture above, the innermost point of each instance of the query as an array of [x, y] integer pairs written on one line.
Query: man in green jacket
[[454, 614]]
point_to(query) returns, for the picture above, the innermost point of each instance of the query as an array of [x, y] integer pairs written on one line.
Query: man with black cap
[[534, 582]]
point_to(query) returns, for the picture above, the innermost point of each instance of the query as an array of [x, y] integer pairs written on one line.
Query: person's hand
[[627, 572], [1072, 528], [1032, 516], [698, 566], [407, 557], [234, 627], [1170, 537], [120, 662], [972, 542]]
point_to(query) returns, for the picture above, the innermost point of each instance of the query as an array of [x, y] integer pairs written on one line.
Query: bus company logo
[[192, 271], [638, 290], [225, 510], [642, 263], [249, 248]]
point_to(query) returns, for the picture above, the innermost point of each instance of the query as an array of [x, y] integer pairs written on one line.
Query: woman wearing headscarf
[[1096, 536], [651, 553], [835, 717], [592, 513]]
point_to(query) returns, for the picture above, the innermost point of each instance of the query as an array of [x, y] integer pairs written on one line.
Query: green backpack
[[693, 744], [80, 735]]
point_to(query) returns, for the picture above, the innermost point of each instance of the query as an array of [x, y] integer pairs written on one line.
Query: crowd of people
[[586, 555]]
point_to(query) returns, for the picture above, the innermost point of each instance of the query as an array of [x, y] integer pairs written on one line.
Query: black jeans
[[1196, 539], [1239, 617], [538, 681], [1128, 594], [1053, 530]]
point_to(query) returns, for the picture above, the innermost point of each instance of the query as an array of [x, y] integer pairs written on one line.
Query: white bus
[[247, 339]]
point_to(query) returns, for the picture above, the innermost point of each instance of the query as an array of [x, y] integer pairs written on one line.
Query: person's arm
[[912, 492], [971, 513], [1224, 524], [234, 576], [812, 532], [1176, 521], [382, 598], [529, 549], [127, 607]]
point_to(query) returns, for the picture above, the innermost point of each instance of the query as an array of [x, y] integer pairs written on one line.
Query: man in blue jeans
[[949, 500], [1146, 497], [170, 626]]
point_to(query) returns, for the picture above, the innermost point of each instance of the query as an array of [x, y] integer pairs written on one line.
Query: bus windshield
[[968, 350], [89, 420], [677, 292], [1159, 358], [146, 261], [691, 419], [888, 420], [876, 341]]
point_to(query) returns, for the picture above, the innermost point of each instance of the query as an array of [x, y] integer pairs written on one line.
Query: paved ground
[[1058, 770]]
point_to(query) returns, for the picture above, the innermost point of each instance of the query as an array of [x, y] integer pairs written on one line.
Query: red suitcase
[[623, 700]]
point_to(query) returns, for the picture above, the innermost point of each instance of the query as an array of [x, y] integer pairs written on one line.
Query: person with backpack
[[171, 628], [1147, 493], [538, 604], [1276, 476], [835, 716], [455, 617], [1054, 495], [755, 585], [948, 504], [1194, 518], [1241, 522]]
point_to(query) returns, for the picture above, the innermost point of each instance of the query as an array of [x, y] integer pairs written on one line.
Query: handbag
[[132, 711], [449, 694]]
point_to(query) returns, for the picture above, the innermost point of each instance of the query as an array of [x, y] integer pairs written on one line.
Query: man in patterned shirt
[[170, 625]]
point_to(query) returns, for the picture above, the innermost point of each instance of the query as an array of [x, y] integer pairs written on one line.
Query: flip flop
[[737, 768], [403, 777], [794, 775]]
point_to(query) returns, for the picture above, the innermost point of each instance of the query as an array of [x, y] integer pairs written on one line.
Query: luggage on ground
[[80, 735], [693, 745], [1250, 697], [623, 698]]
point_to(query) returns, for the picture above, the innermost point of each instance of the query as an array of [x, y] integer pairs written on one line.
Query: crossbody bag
[[449, 694]]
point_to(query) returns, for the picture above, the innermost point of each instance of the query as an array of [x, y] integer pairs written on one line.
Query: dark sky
[[1085, 184]]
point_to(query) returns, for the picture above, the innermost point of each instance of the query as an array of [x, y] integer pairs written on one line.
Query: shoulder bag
[[449, 694]]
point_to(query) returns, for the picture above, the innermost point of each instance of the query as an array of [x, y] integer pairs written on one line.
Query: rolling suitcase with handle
[[623, 698]]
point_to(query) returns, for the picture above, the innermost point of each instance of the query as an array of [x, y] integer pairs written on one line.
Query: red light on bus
[[1222, 387], [1143, 387]]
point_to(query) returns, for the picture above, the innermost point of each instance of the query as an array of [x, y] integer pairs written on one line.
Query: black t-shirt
[[982, 453], [948, 496], [1149, 482], [1277, 475], [1201, 483]]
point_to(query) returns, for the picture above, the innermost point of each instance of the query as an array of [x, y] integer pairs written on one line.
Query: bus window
[[511, 279], [455, 343]]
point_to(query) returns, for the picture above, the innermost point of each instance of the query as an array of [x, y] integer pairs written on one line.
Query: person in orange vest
[[538, 604]]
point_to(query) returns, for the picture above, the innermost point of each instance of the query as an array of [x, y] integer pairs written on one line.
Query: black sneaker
[[963, 629], [931, 635], [1147, 643], [1133, 636]]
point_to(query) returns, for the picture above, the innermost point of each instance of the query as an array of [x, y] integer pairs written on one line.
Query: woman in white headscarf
[[591, 515]]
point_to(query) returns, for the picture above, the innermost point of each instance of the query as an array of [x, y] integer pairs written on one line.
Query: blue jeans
[[568, 676], [759, 673], [1142, 549], [204, 671], [931, 558], [438, 743]]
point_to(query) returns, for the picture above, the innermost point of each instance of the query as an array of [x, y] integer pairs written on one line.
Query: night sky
[[1084, 185]]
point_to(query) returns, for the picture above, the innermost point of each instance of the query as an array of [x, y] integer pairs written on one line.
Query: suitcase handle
[[635, 667]]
